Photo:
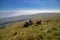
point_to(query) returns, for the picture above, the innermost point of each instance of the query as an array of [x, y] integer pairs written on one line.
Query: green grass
[[48, 30]]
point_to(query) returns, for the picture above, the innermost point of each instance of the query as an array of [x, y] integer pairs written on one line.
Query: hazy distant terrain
[[32, 16]]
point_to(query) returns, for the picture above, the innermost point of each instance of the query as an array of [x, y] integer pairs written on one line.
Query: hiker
[[30, 22], [38, 22], [26, 24]]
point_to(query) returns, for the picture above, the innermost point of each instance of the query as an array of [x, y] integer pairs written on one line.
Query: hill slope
[[48, 30]]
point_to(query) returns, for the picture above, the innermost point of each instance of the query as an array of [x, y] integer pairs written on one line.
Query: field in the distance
[[48, 30]]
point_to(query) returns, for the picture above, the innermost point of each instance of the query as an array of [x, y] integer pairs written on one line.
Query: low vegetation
[[46, 30]]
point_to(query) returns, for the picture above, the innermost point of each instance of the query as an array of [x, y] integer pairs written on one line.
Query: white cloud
[[25, 12]]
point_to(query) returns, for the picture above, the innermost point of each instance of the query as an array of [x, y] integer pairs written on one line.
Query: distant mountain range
[[27, 17]]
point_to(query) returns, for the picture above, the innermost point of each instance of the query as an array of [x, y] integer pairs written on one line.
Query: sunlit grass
[[48, 30]]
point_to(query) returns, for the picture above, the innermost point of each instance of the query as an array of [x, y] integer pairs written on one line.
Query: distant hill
[[32, 16]]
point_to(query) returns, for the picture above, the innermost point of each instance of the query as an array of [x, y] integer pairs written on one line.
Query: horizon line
[[41, 11]]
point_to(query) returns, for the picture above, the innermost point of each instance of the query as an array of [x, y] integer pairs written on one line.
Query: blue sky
[[29, 4], [18, 5]]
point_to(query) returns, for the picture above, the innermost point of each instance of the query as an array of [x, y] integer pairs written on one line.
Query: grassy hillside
[[48, 30]]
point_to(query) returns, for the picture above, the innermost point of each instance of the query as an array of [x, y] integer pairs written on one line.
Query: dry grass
[[48, 30]]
